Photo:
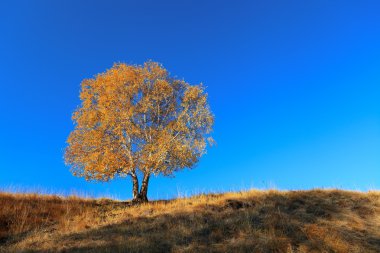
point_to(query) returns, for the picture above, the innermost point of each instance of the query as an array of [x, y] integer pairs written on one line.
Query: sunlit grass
[[245, 221]]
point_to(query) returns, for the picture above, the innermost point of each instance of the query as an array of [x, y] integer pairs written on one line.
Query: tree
[[138, 121]]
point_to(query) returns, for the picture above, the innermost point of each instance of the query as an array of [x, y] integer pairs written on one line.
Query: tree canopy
[[138, 120]]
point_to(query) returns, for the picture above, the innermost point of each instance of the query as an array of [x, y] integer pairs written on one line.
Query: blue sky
[[294, 86]]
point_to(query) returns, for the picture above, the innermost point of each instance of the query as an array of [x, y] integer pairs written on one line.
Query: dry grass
[[252, 221]]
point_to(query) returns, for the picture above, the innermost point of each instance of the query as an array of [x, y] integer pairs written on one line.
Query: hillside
[[252, 221]]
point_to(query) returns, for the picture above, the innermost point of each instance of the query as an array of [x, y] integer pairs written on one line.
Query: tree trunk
[[143, 196], [135, 190]]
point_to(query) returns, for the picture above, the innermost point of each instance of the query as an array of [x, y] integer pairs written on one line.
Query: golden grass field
[[251, 221]]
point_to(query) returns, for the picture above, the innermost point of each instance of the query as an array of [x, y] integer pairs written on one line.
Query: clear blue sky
[[294, 86]]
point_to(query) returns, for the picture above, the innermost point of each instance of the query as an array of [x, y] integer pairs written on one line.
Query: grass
[[251, 221]]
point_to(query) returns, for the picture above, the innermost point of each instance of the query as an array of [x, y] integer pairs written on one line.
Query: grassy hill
[[252, 221]]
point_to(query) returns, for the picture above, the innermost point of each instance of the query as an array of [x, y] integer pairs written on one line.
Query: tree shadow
[[268, 223]]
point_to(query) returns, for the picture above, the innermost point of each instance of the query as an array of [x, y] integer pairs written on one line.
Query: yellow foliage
[[138, 118]]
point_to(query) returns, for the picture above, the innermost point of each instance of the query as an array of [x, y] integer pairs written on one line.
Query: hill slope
[[253, 221]]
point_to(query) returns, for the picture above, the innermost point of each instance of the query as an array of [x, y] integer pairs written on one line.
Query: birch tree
[[138, 121]]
